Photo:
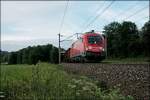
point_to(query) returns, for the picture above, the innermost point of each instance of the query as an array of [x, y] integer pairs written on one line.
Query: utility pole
[[59, 49], [77, 35]]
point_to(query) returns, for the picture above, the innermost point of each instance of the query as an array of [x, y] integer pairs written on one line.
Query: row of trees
[[125, 40], [31, 55], [4, 56]]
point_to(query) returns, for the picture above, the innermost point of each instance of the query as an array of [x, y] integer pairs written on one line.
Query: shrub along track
[[132, 79]]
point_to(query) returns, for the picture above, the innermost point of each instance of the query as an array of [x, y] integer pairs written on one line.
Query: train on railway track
[[89, 47]]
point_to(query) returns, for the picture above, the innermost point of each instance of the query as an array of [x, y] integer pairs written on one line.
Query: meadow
[[50, 82]]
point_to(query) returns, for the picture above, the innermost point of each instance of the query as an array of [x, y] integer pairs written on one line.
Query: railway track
[[132, 79]]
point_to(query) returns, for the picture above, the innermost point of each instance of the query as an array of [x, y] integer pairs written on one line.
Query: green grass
[[49, 82], [138, 60]]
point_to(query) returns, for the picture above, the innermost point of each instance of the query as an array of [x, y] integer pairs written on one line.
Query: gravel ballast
[[132, 79]]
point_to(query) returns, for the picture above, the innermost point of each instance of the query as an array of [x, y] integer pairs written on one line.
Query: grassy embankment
[[138, 60], [49, 82]]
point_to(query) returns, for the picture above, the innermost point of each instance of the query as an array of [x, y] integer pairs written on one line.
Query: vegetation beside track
[[49, 82], [131, 79], [138, 60]]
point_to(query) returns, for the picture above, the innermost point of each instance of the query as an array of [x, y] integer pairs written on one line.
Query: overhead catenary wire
[[134, 13], [65, 11], [68, 37], [138, 11], [142, 18], [96, 11], [98, 16], [62, 22], [126, 10], [103, 11], [59, 35], [88, 19]]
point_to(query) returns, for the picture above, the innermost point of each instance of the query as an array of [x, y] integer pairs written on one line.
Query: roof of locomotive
[[90, 34]]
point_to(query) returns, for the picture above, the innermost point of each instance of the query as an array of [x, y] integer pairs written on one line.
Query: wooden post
[[59, 49]]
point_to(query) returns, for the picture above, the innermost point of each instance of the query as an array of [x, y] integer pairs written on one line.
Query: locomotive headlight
[[86, 48], [89, 47], [101, 48]]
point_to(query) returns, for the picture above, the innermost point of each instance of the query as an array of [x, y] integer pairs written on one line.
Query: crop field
[[50, 82]]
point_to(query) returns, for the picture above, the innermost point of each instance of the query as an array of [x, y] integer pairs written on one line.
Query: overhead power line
[[141, 19], [69, 37], [126, 10], [136, 12], [59, 35], [99, 7], [103, 11], [65, 11]]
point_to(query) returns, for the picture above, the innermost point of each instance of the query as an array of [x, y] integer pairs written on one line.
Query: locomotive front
[[94, 46], [89, 47]]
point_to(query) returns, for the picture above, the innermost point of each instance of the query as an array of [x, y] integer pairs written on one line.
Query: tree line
[[32, 55], [125, 40]]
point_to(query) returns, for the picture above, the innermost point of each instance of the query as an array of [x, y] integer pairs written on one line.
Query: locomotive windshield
[[94, 39]]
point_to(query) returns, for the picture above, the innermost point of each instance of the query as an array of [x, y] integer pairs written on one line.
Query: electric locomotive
[[90, 46]]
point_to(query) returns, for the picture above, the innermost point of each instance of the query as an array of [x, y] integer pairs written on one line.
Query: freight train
[[91, 46]]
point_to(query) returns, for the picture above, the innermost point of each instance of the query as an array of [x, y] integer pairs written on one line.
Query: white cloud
[[36, 20]]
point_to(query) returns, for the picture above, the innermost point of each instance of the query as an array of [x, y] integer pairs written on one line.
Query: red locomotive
[[89, 47]]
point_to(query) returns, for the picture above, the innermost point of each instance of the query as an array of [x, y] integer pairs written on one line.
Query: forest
[[124, 40], [31, 55]]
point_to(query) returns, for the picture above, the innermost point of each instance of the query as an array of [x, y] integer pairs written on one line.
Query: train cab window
[[94, 39]]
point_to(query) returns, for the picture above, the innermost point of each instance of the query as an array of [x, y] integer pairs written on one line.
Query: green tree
[[4, 56], [122, 39], [54, 55], [112, 32], [146, 38], [31, 55], [25, 56], [19, 57], [47, 53], [35, 55], [129, 38], [12, 58]]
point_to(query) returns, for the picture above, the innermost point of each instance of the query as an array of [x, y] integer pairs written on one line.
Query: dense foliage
[[125, 40], [146, 38], [32, 55], [4, 56]]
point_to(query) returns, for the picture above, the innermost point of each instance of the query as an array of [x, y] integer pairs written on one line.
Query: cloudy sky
[[28, 23]]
